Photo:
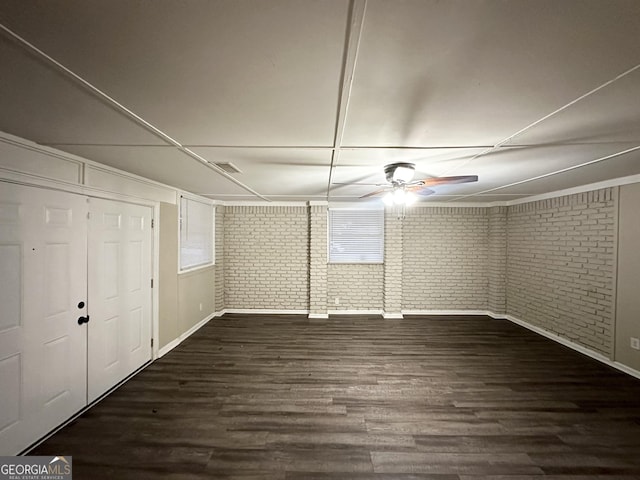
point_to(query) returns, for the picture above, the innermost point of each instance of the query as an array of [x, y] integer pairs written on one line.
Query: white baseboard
[[174, 343], [169, 346], [574, 346], [354, 312], [497, 316], [197, 327], [624, 368], [266, 311], [446, 312]]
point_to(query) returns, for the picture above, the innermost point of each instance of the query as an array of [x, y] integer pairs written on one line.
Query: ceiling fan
[[401, 187]]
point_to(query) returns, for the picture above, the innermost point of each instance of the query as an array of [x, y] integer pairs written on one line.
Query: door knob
[[82, 320]]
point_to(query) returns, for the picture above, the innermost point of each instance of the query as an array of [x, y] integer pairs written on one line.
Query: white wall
[[628, 292]]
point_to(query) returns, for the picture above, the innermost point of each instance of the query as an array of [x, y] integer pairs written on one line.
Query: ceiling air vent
[[227, 167]]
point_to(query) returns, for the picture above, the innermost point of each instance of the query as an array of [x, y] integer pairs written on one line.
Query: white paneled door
[[120, 266], [75, 305], [43, 293]]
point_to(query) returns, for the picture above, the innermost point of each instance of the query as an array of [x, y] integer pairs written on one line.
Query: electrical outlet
[[635, 343], [200, 307], [337, 300]]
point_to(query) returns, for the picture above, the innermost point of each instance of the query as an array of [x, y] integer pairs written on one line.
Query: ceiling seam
[[352, 45], [546, 117], [293, 147], [414, 147], [99, 93], [563, 170]]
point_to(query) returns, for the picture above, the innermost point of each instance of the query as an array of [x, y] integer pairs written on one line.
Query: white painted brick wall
[[266, 257], [393, 266], [549, 263], [358, 286], [219, 258], [497, 260], [560, 266], [445, 259], [318, 259]]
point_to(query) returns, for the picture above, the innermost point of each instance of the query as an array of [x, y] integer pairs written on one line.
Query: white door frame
[[97, 193], [155, 264]]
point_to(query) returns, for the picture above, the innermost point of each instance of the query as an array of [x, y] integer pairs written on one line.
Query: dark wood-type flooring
[[287, 398]]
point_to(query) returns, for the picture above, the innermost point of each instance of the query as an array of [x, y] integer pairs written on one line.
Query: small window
[[356, 236], [196, 233]]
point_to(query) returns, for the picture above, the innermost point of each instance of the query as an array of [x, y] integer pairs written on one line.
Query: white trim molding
[[540, 331], [496, 316], [174, 343], [169, 346], [266, 311], [84, 163], [197, 198], [446, 312], [355, 312], [581, 189], [574, 346], [264, 203]]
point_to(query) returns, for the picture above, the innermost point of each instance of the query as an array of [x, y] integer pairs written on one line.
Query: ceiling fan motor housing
[[399, 173]]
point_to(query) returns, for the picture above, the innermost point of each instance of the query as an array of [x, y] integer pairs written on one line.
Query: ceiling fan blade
[[421, 190], [429, 182], [375, 192]]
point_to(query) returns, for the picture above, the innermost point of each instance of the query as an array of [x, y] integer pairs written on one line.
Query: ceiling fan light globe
[[410, 198], [403, 174], [399, 196], [388, 199]]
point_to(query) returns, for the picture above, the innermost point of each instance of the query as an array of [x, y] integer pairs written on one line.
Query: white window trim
[[204, 201]]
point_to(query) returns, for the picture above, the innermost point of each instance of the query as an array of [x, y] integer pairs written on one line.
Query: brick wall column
[[318, 260], [497, 264], [392, 265], [219, 268]]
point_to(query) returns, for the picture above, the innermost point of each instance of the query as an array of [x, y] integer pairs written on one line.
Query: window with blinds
[[356, 236], [196, 233]]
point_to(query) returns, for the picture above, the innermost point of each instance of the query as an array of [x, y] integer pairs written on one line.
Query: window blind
[[196, 233], [356, 236]]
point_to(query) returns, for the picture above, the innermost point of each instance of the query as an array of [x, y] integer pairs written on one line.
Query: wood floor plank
[[277, 397], [454, 463]]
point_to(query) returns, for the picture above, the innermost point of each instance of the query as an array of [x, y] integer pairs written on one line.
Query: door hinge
[[152, 283], [152, 343], [152, 223]]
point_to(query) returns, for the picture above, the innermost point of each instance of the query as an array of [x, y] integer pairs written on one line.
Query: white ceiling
[[304, 96]]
